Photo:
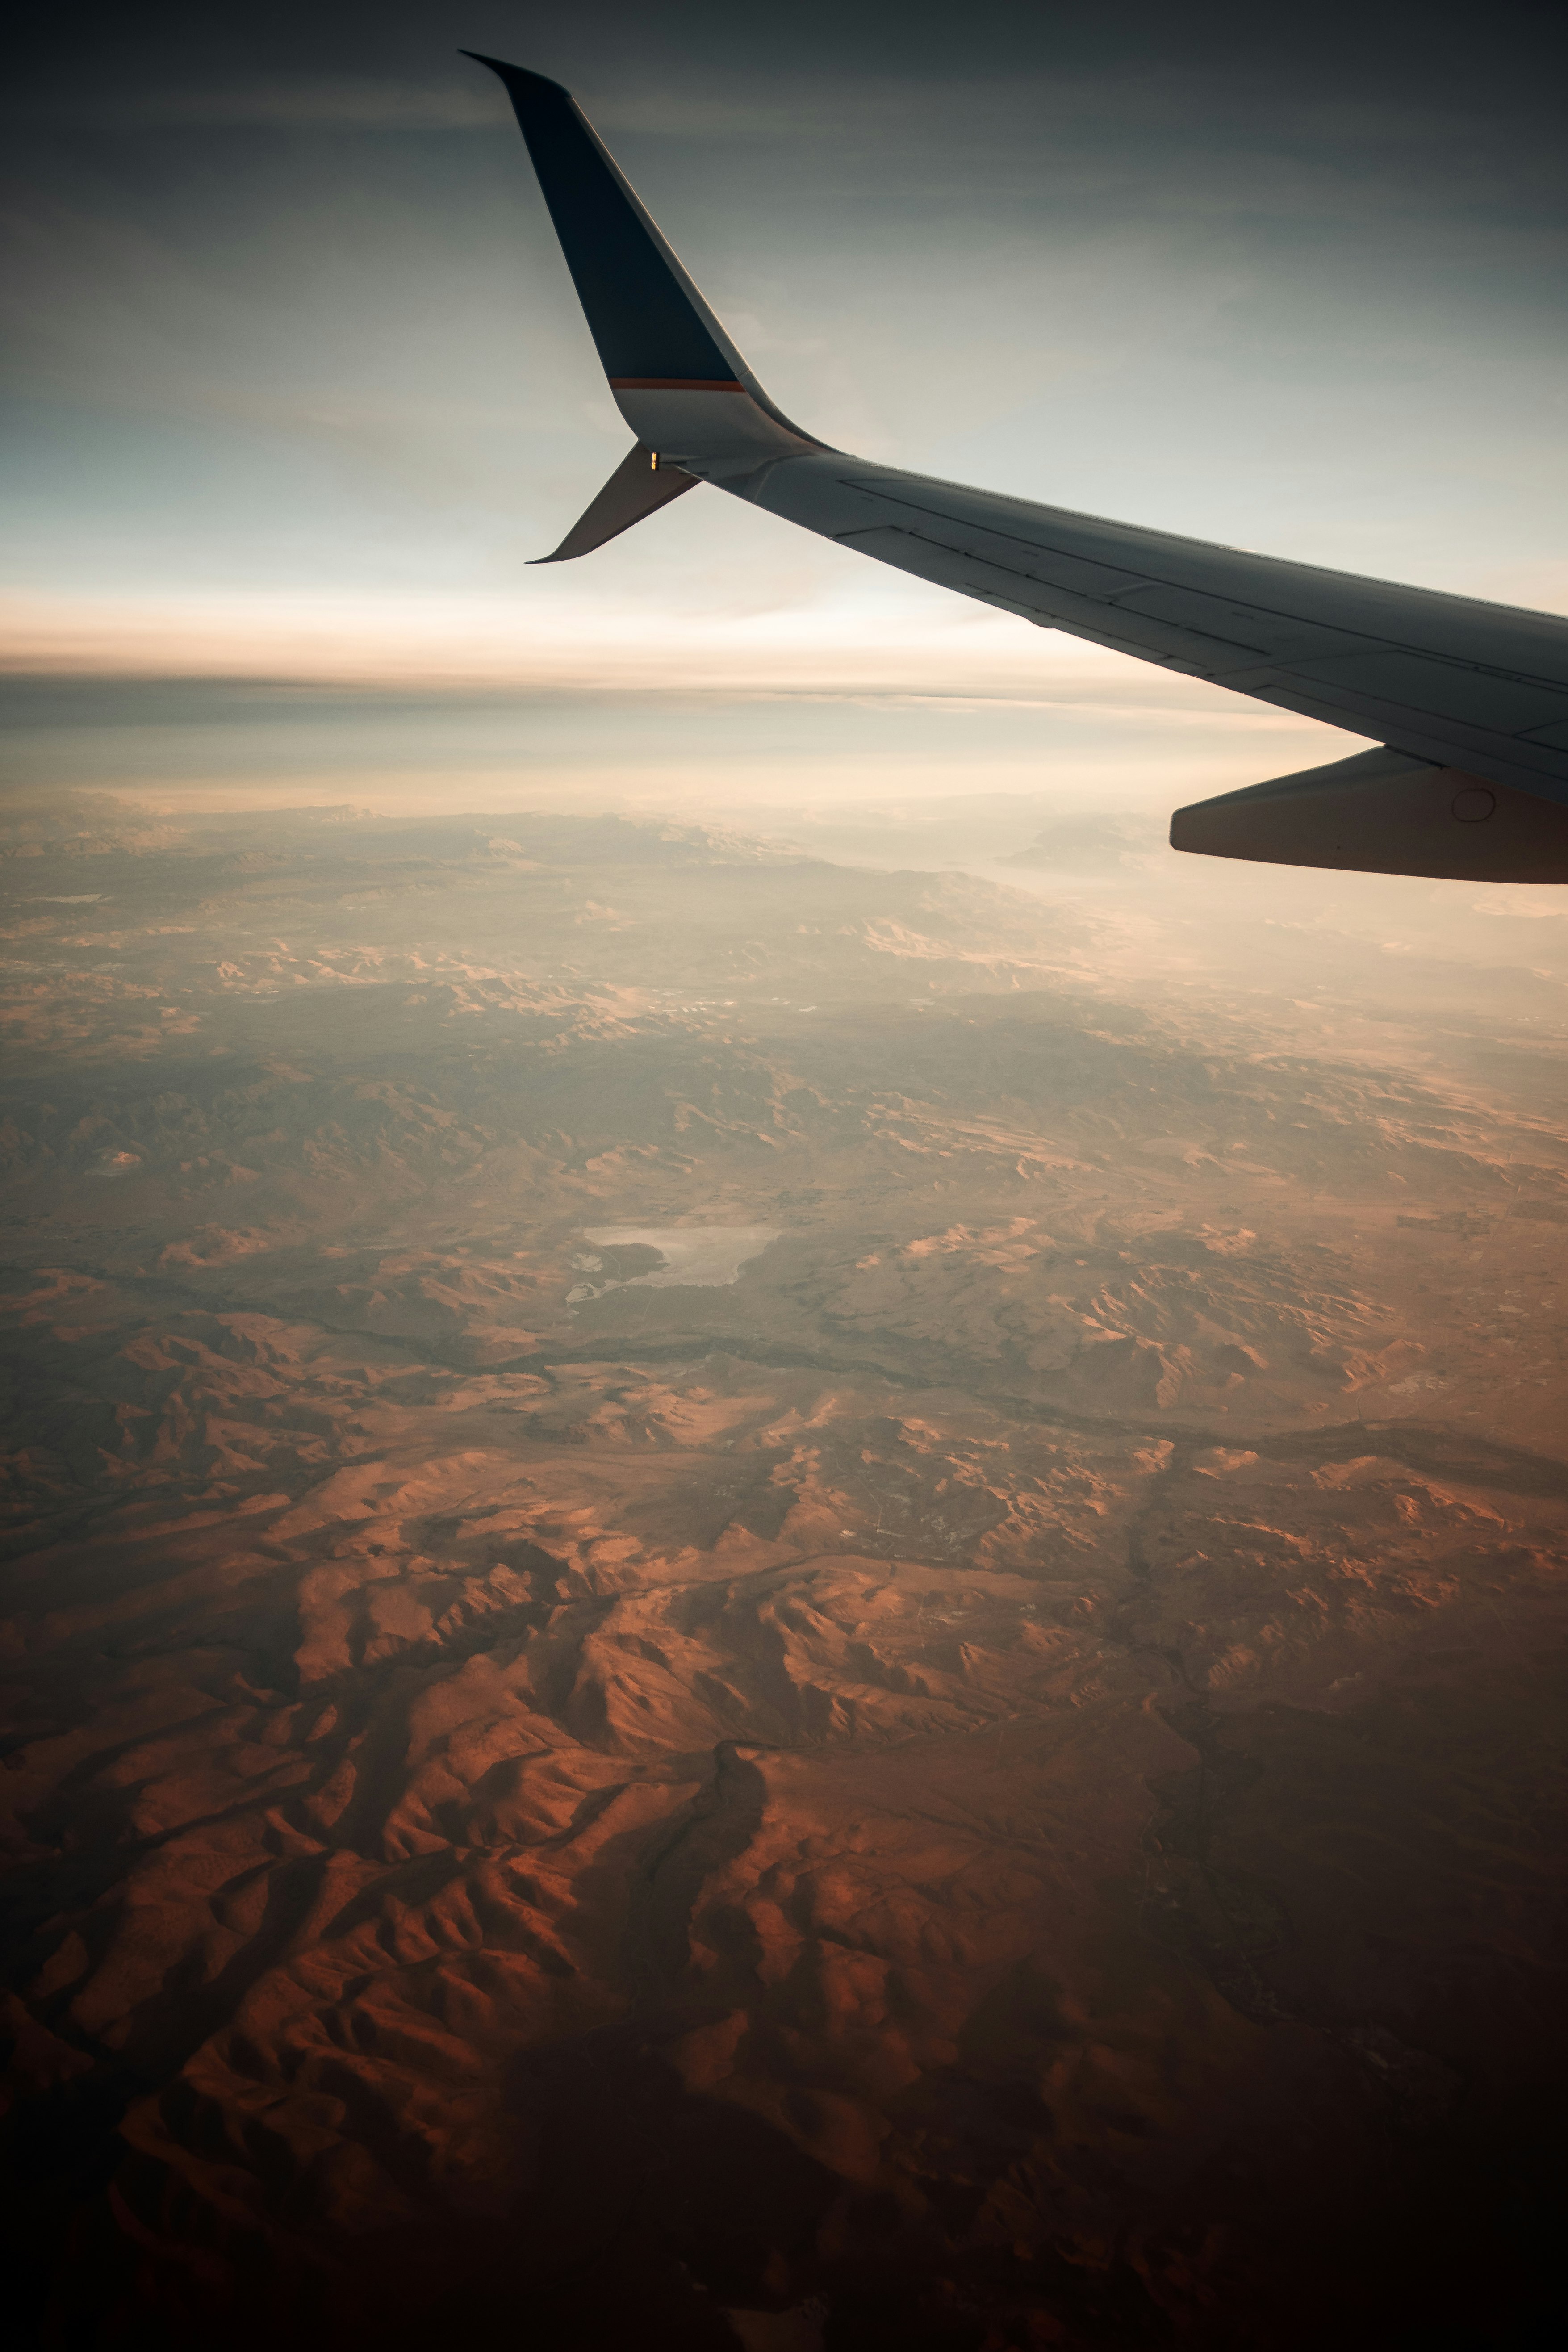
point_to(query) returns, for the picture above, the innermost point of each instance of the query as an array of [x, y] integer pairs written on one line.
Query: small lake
[[703, 1257]]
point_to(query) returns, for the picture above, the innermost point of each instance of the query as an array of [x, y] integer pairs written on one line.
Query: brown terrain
[[743, 1611]]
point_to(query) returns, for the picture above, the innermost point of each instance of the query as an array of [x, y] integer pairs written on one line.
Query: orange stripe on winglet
[[674, 384]]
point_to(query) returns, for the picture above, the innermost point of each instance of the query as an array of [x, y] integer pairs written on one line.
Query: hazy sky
[[296, 380]]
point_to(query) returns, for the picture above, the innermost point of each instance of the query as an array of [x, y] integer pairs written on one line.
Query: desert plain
[[761, 1599]]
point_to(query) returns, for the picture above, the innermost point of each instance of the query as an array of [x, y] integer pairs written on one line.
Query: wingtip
[[510, 73]]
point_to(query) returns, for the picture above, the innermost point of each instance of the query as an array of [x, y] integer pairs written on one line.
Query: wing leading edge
[[1468, 700]]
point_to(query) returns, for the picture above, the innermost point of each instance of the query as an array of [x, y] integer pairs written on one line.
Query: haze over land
[[977, 1771]]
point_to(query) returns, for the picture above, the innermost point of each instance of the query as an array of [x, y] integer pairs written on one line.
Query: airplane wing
[[1469, 701]]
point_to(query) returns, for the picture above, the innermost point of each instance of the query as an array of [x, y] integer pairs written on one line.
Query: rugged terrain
[[742, 1612]]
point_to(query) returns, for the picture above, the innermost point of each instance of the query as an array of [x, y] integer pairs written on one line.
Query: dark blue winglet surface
[[638, 313]]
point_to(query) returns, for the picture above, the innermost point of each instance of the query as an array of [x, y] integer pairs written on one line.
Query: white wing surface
[[1468, 700]]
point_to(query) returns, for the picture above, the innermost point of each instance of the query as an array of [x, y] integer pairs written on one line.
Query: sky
[[297, 383]]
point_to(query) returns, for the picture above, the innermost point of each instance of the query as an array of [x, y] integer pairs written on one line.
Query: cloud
[[902, 650], [315, 104]]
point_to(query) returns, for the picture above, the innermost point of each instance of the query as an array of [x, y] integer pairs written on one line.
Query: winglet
[[664, 351], [638, 486]]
